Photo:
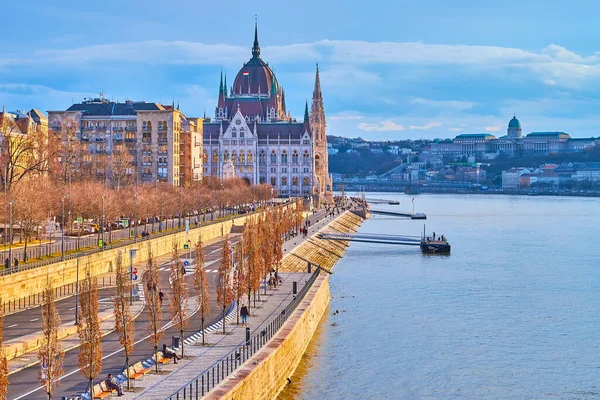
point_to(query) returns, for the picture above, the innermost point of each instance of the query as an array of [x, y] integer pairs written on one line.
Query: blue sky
[[390, 69]]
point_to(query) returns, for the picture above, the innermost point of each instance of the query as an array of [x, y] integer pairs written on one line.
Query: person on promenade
[[160, 296], [16, 264], [7, 263], [111, 383], [244, 313], [168, 353]]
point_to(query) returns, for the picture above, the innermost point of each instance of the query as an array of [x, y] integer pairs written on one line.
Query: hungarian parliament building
[[485, 145], [253, 135]]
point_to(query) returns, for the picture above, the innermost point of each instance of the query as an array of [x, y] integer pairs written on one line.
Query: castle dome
[[255, 77], [514, 123]]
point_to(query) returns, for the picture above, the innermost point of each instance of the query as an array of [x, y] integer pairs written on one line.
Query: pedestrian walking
[[160, 297], [7, 263], [16, 263], [244, 314]]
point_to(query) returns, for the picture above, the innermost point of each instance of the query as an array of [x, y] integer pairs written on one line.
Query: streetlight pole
[[131, 257], [102, 222], [10, 239], [62, 228], [77, 293]]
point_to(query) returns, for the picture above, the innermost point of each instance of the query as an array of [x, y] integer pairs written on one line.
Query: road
[[30, 321], [24, 384]]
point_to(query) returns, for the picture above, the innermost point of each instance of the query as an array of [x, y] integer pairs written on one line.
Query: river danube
[[513, 312]]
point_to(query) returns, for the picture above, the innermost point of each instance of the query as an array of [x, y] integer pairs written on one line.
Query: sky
[[389, 69]]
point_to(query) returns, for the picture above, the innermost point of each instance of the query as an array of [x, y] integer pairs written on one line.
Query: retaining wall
[[33, 281], [265, 375]]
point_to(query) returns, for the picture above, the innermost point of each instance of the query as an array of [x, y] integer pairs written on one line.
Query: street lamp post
[[77, 293], [62, 230], [10, 239], [102, 222], [131, 257]]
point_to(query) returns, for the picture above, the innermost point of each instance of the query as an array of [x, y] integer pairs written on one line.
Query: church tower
[[322, 187]]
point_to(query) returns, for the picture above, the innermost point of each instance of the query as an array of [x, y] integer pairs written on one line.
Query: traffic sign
[[79, 220], [186, 246], [186, 263], [134, 277], [134, 270]]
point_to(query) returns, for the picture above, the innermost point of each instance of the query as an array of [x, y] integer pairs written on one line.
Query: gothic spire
[[306, 118], [225, 85], [317, 91], [255, 47], [221, 84]]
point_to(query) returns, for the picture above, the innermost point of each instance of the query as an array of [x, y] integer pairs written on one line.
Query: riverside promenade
[[201, 358]]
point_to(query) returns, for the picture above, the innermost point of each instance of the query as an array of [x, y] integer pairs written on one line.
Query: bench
[[101, 391], [137, 371], [160, 358]]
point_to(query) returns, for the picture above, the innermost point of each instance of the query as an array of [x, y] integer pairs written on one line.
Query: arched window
[[233, 132], [215, 157], [284, 157], [284, 181], [305, 158], [317, 162], [226, 156], [205, 157], [242, 157], [149, 125], [295, 157], [295, 181], [262, 158], [144, 125], [160, 125], [165, 126], [273, 157], [241, 132], [305, 181], [234, 158], [249, 156]]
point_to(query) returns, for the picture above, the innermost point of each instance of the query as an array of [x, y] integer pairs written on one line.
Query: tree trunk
[[181, 338], [224, 319], [156, 358], [91, 384]]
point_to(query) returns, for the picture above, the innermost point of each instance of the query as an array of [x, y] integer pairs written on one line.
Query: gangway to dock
[[373, 238], [399, 214], [382, 201]]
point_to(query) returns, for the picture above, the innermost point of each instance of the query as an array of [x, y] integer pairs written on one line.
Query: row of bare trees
[[34, 202]]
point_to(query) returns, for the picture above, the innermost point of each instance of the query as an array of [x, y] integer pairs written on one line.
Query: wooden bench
[[101, 391], [160, 358], [137, 371]]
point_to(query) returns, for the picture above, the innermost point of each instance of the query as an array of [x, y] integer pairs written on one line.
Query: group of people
[[152, 288], [7, 263], [111, 383]]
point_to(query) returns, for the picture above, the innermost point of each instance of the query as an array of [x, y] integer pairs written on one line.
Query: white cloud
[[454, 105], [345, 117], [26, 96], [428, 125], [455, 129], [383, 126]]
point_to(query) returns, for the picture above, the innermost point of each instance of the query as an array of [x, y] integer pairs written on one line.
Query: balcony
[[99, 139], [162, 140], [85, 138], [146, 129], [146, 140], [117, 128], [130, 139], [162, 129], [130, 128], [118, 138]]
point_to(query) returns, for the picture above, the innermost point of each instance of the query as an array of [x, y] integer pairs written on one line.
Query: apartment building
[[134, 140]]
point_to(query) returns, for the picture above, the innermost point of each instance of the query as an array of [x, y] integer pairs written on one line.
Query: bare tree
[[224, 290], [121, 167], [201, 284], [23, 150], [179, 295], [90, 336], [3, 362], [124, 323], [50, 352], [153, 305], [239, 274]]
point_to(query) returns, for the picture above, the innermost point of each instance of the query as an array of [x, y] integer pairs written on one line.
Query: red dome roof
[[255, 77]]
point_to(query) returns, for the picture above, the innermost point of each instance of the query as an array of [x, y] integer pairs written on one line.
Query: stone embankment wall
[[265, 374], [33, 281]]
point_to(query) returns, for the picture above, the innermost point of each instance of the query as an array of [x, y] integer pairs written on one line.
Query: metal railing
[[222, 368]]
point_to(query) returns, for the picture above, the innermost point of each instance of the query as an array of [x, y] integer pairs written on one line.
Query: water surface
[[514, 312]]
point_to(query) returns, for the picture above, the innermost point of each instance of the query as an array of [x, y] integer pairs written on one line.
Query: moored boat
[[435, 247]]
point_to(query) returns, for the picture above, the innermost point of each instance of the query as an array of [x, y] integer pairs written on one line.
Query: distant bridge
[[372, 238]]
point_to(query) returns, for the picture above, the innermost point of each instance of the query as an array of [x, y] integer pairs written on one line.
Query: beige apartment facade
[[132, 141]]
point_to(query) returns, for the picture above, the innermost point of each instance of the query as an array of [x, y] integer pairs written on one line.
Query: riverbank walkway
[[200, 358]]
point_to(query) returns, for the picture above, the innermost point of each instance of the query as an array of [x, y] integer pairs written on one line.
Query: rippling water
[[514, 312]]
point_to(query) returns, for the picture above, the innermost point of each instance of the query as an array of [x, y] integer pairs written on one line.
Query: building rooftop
[[486, 136], [549, 134], [111, 108]]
